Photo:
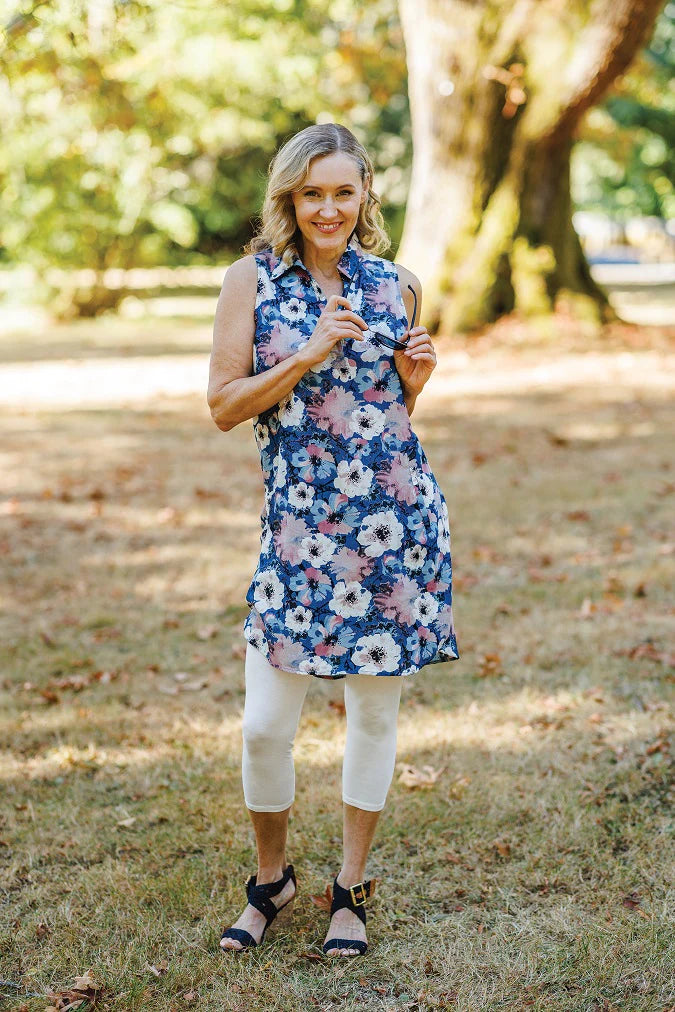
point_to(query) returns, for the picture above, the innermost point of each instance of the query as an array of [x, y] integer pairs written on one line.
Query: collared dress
[[355, 574]]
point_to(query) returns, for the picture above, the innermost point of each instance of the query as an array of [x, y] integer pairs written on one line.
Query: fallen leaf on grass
[[490, 666], [84, 993], [126, 823], [632, 900], [324, 901], [648, 650], [658, 746], [502, 848], [49, 696], [578, 515], [410, 776], [161, 967]]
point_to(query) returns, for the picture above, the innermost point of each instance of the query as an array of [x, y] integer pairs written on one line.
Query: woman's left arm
[[416, 364]]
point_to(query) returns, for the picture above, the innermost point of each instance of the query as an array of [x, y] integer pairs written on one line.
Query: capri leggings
[[274, 700]]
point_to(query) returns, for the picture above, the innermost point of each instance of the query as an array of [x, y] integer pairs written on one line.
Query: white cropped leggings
[[274, 700]]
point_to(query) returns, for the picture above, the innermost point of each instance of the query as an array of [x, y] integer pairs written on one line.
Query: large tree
[[497, 90]]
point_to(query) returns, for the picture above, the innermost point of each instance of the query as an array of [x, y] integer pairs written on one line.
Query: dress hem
[[346, 674]]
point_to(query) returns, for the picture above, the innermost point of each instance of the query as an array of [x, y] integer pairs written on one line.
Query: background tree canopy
[[139, 134]]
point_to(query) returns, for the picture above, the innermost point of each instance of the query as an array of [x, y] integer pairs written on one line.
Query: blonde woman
[[311, 341]]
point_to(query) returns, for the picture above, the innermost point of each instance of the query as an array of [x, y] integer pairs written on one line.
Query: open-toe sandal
[[260, 897], [353, 899]]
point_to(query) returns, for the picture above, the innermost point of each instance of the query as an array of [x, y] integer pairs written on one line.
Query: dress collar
[[348, 264]]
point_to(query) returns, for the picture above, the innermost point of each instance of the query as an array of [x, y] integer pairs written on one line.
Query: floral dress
[[355, 574]]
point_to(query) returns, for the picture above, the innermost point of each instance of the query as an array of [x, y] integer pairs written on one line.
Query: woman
[[311, 341]]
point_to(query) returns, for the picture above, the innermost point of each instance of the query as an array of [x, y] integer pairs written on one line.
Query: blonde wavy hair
[[288, 170]]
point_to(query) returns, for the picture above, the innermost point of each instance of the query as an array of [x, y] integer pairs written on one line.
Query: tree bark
[[496, 93]]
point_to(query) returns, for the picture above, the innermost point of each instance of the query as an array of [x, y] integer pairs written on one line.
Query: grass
[[535, 873]]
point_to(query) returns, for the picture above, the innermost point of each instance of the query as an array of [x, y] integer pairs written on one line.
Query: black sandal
[[259, 897], [353, 899]]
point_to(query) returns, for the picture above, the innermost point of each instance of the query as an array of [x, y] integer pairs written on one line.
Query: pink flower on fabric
[[350, 566], [281, 343], [382, 296], [398, 602], [334, 412], [445, 622], [396, 479], [286, 653], [398, 422], [288, 539]]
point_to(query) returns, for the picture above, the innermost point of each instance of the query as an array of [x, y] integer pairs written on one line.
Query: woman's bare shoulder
[[244, 269]]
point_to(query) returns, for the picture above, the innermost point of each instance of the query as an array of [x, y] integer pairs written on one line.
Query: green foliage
[[624, 163], [140, 133]]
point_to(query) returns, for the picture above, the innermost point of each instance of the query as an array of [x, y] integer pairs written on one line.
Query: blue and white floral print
[[355, 573]]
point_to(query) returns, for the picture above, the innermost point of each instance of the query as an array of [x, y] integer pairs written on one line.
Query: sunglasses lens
[[389, 342]]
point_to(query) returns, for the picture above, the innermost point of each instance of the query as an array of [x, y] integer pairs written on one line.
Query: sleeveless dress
[[355, 573]]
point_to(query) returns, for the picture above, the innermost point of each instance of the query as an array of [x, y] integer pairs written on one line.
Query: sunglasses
[[391, 342]]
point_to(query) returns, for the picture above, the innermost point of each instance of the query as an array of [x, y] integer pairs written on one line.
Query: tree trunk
[[496, 93]]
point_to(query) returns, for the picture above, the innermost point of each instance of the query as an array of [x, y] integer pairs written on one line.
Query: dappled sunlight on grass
[[527, 816]]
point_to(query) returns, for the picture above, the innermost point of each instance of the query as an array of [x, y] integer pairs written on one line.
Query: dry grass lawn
[[534, 873]]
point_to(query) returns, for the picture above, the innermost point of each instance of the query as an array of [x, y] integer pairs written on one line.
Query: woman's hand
[[416, 364], [333, 325]]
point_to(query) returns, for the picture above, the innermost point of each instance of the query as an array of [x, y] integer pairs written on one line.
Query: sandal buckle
[[359, 900]]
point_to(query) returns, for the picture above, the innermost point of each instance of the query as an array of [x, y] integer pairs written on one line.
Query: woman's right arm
[[235, 392]]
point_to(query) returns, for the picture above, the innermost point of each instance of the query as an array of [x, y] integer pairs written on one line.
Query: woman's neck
[[320, 265]]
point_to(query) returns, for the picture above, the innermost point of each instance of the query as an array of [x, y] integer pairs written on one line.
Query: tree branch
[[616, 30]]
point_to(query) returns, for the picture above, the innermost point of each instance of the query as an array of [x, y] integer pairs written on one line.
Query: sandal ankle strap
[[259, 896], [353, 898]]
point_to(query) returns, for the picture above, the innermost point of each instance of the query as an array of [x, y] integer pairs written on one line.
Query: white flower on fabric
[[427, 486], [269, 591], [380, 532], [368, 349], [349, 599], [266, 289], [413, 558], [356, 300], [256, 639], [444, 544], [279, 468], [368, 421], [344, 370], [299, 619], [315, 666], [263, 435], [301, 495], [293, 310], [375, 653], [353, 477], [291, 410], [317, 548], [425, 608]]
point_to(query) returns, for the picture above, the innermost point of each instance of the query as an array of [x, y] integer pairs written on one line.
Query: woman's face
[[330, 196]]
